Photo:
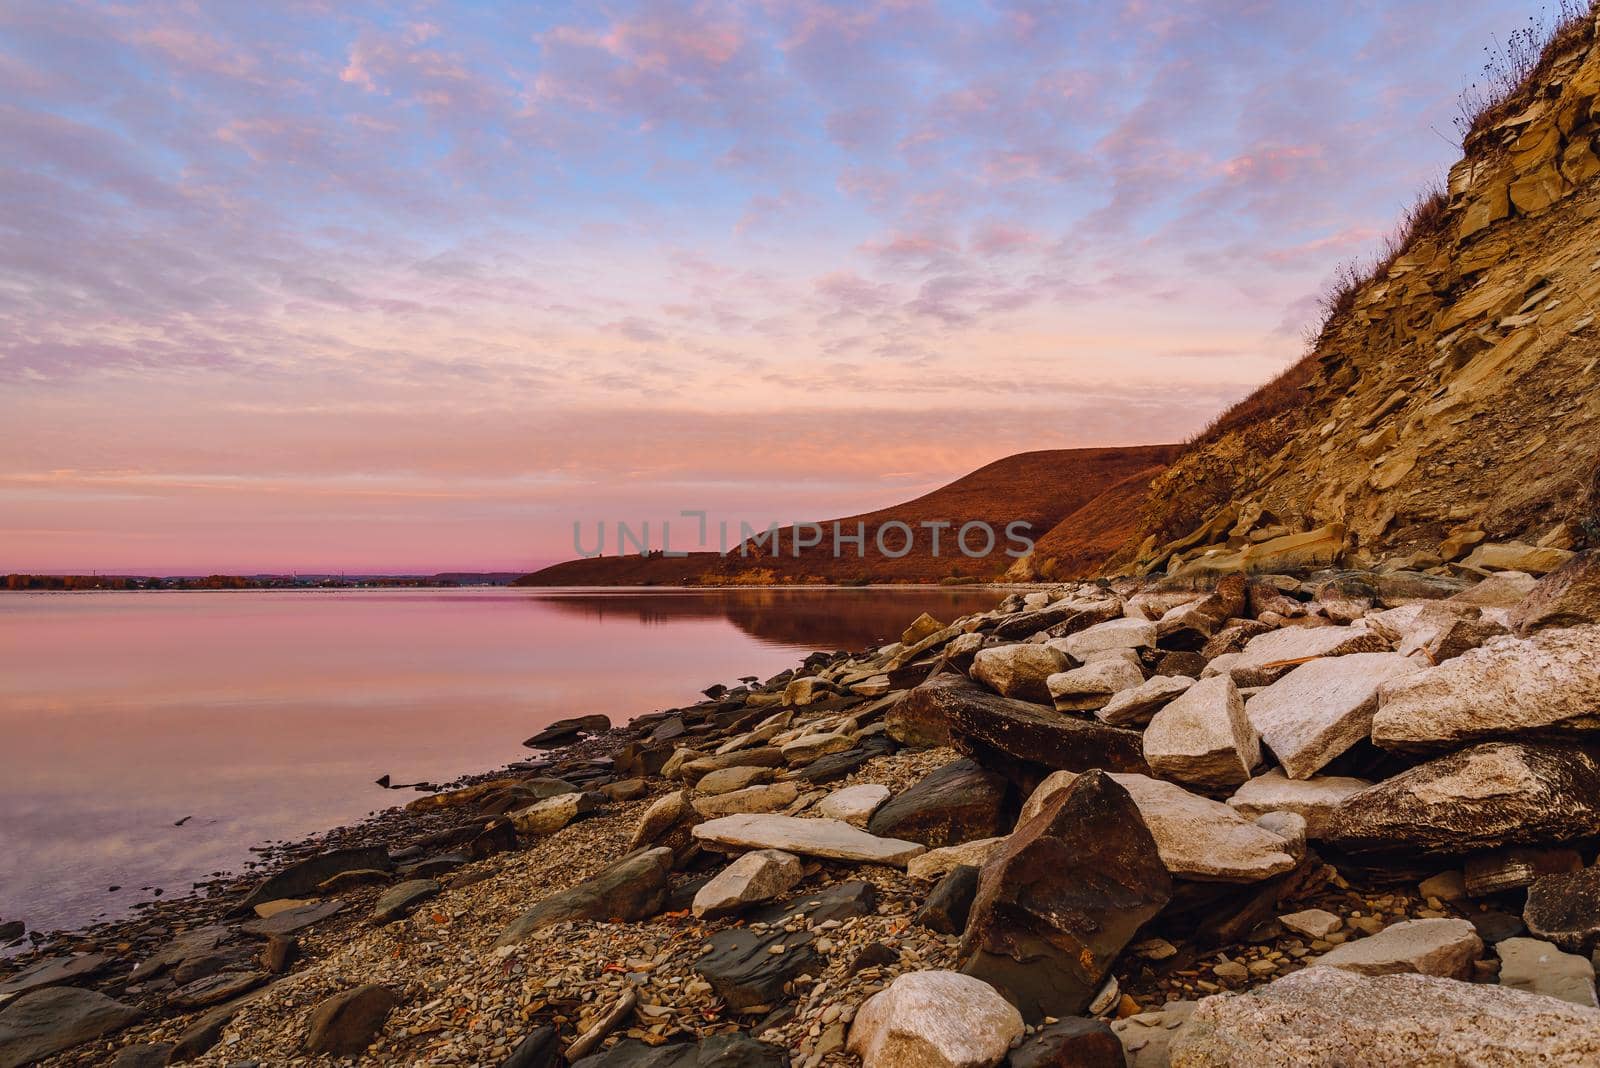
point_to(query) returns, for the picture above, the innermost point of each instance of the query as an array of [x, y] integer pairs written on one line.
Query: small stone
[[934, 1019]]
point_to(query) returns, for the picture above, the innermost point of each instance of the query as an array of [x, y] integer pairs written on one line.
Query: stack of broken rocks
[[1333, 818]]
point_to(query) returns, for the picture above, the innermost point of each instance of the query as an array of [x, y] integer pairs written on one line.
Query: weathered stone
[[1540, 968], [718, 1051], [41, 1022], [853, 804], [1198, 838], [934, 1019], [807, 690], [1517, 556], [1567, 597], [696, 766], [1313, 923], [758, 876], [1060, 899], [554, 813], [564, 730], [1203, 737], [1070, 1043], [750, 968], [950, 901], [1329, 1016], [1314, 799], [346, 1024], [1505, 589], [1514, 867], [303, 878], [727, 780], [1109, 636], [669, 822], [1544, 684], [1494, 794], [1015, 736], [55, 971], [294, 919], [1428, 947], [632, 888], [540, 1048], [1322, 708], [809, 747], [920, 628], [1191, 626], [1147, 1036], [950, 805], [1234, 637], [1268, 657], [936, 862], [1018, 670], [1092, 686], [1565, 909], [832, 839], [773, 798], [400, 901], [1135, 706], [921, 717]]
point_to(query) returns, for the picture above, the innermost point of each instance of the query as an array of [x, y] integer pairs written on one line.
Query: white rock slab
[[753, 878], [1322, 708], [1427, 947], [1203, 737], [853, 804], [1113, 634], [1137, 705], [1093, 685], [833, 839], [1268, 657], [934, 1019], [1314, 799]]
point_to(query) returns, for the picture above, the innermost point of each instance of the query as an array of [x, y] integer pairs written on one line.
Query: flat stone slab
[[1313, 799], [1268, 657], [291, 920], [1135, 707], [1322, 708], [42, 1022], [1428, 947], [1540, 968], [1204, 737], [853, 804], [56, 971], [832, 839], [935, 1019]]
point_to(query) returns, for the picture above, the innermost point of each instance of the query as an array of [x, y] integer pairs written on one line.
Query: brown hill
[[1451, 398], [1037, 488]]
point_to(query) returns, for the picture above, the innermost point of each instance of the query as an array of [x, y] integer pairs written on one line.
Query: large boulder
[[1107, 637], [1494, 794], [304, 877], [1545, 684], [1057, 903], [830, 839], [1428, 947], [632, 888], [345, 1024], [1322, 708], [1198, 839], [1313, 799], [1203, 737], [934, 1019], [1329, 1016], [1022, 740], [953, 804], [1268, 657], [922, 717], [1018, 670], [42, 1022], [1567, 597]]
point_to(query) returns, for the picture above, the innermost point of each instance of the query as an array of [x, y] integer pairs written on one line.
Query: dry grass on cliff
[[1520, 62]]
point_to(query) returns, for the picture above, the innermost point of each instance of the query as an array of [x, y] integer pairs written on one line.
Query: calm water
[[267, 715]]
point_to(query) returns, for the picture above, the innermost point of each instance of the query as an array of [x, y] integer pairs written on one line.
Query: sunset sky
[[414, 286]]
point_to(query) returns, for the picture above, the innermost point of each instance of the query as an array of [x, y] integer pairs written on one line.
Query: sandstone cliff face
[[1456, 401]]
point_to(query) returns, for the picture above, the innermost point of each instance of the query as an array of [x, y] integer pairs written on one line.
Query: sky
[[415, 286]]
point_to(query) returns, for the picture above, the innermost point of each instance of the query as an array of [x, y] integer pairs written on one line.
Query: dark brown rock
[[1566, 597], [1193, 627], [632, 888], [1565, 909], [564, 730], [346, 1024], [201, 1036], [1023, 741], [1070, 1043], [1057, 903], [744, 970], [1233, 637], [540, 1049], [950, 902], [302, 879], [920, 717], [278, 953], [1490, 795], [42, 1022], [1176, 663], [957, 803]]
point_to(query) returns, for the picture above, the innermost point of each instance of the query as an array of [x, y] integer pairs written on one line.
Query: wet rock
[[1062, 897], [41, 1022], [1094, 685], [832, 839], [1197, 838], [1135, 706], [1428, 947], [293, 919], [565, 730], [1540, 968], [400, 901], [1203, 737], [1491, 795], [1313, 799], [1020, 739], [1070, 1043], [1018, 670], [1330, 1016], [346, 1024], [1565, 909], [299, 880], [934, 1019], [1268, 657], [1544, 684], [749, 968], [1322, 708], [632, 888], [853, 804], [947, 906], [1567, 597], [957, 803], [55, 971], [758, 876]]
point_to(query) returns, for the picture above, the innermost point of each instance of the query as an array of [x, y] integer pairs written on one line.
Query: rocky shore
[[1321, 818]]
